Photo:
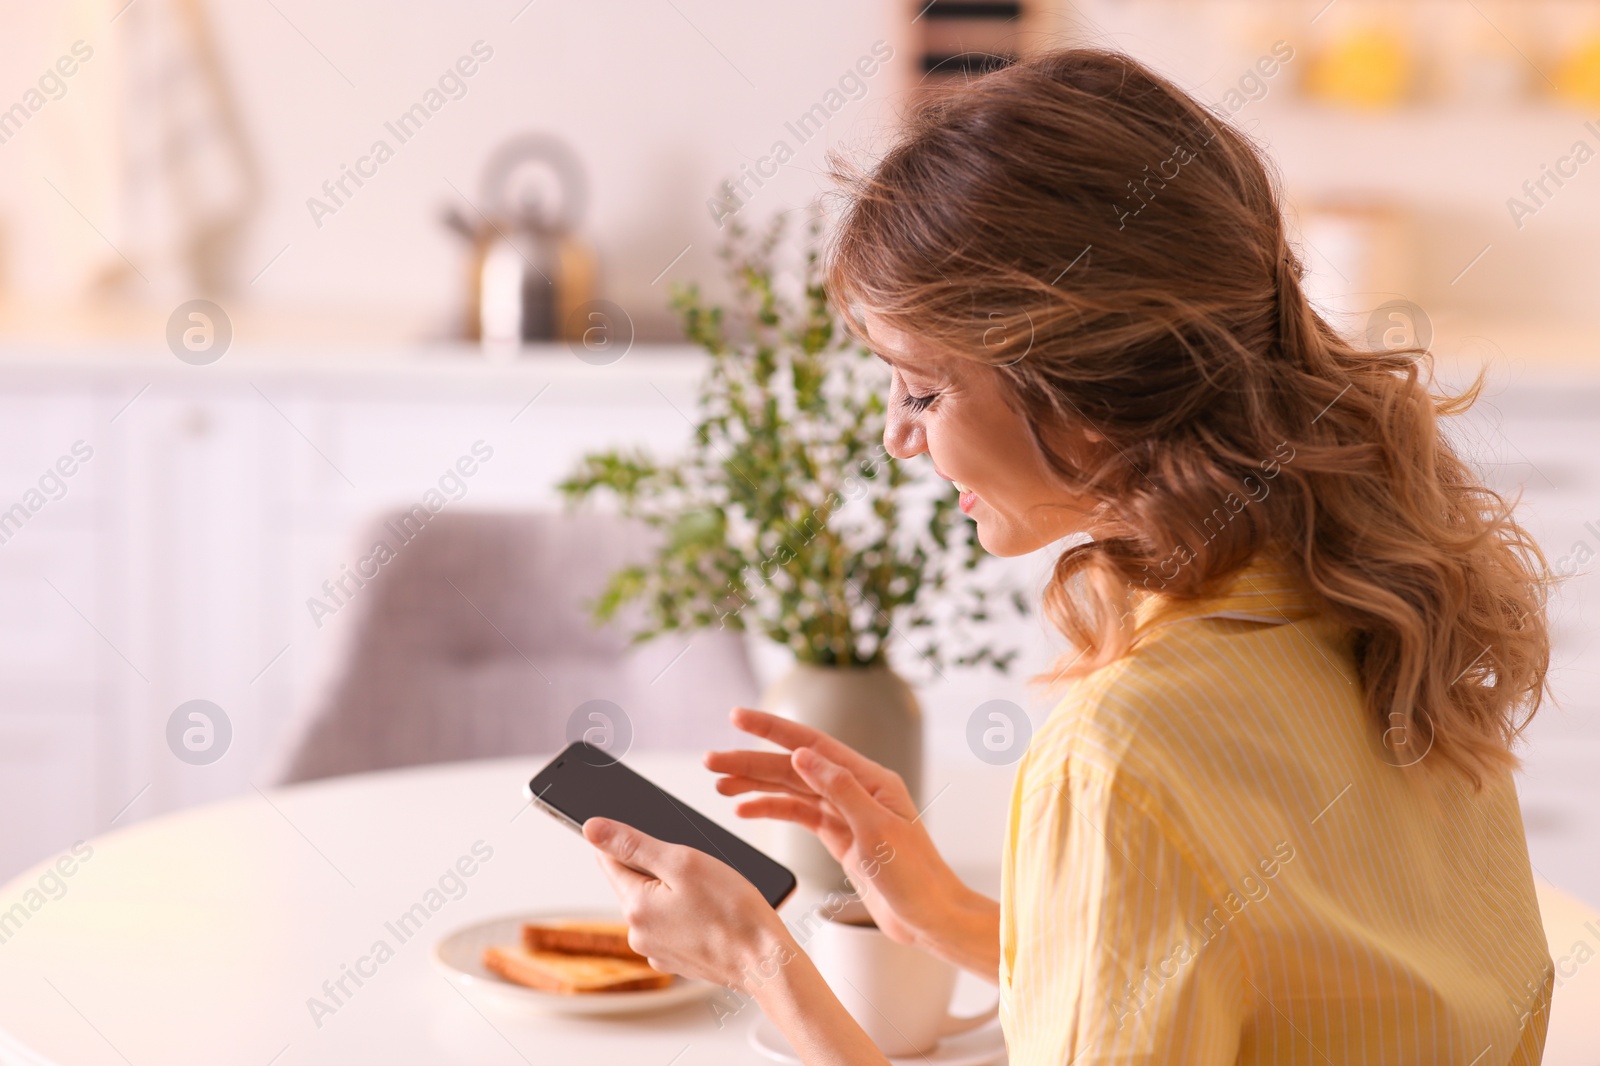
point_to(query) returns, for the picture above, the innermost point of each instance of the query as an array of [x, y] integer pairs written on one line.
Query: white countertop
[[199, 937], [1524, 358]]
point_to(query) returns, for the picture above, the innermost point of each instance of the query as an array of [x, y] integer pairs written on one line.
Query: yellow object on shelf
[[1366, 66], [1577, 76]]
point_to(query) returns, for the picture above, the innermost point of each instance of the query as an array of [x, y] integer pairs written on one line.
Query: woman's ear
[[1092, 437]]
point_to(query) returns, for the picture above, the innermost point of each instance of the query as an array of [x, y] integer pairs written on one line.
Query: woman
[[1272, 820]]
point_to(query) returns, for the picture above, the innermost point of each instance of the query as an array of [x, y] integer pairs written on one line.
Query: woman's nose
[[902, 436]]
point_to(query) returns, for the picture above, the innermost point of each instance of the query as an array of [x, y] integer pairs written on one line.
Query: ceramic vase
[[872, 710]]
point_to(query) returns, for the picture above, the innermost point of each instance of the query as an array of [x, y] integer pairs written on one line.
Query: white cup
[[899, 994]]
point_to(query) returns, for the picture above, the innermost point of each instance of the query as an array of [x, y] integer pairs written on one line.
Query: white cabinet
[[49, 753], [53, 655], [176, 562]]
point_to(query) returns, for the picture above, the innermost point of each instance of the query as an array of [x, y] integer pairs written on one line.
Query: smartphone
[[585, 782]]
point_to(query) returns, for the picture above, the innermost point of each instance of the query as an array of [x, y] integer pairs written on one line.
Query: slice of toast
[[580, 938], [568, 975]]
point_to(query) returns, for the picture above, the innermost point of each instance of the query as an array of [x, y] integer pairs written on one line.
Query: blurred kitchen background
[[367, 316]]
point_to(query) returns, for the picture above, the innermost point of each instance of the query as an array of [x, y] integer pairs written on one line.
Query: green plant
[[786, 515]]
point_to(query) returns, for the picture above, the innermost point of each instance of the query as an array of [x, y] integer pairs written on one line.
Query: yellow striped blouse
[[1211, 857]]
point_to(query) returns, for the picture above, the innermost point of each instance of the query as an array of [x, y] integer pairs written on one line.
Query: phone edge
[[561, 816]]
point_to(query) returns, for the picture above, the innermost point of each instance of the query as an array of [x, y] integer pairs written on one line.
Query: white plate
[[460, 956], [977, 1047]]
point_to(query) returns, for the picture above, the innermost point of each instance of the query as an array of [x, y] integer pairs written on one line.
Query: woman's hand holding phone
[[691, 914], [688, 913], [863, 814]]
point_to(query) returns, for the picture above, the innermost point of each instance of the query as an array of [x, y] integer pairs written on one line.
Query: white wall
[[664, 100], [661, 100]]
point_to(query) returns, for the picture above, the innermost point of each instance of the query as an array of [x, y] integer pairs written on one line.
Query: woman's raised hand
[[864, 816]]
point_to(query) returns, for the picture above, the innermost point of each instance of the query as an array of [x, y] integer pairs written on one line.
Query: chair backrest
[[475, 640]]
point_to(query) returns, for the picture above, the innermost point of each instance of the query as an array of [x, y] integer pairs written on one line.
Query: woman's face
[[956, 412]]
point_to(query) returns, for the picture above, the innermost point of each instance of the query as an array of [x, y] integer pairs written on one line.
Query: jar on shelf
[[1570, 37], [1363, 56]]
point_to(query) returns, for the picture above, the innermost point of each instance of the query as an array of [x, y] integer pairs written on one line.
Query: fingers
[[624, 882], [812, 814], [735, 786], [807, 813], [765, 769], [792, 735], [780, 731], [631, 848], [633, 892], [838, 786], [772, 772]]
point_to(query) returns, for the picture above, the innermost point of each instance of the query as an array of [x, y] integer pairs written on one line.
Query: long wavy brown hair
[[1119, 253]]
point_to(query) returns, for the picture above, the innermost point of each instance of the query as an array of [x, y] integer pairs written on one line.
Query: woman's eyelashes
[[908, 400], [915, 401]]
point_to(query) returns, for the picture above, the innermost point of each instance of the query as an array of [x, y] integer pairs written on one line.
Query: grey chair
[[474, 641]]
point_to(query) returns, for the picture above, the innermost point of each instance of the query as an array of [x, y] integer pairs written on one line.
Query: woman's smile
[[967, 496], [957, 411]]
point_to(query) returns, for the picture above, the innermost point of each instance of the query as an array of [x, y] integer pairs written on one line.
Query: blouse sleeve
[[1117, 952]]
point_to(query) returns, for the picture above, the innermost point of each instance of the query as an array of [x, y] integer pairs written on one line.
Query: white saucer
[[977, 1047], [459, 955]]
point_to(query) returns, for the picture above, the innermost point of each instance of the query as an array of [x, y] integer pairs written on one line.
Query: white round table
[[202, 937]]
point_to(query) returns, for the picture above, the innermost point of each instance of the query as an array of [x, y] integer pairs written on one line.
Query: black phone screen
[[585, 782]]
